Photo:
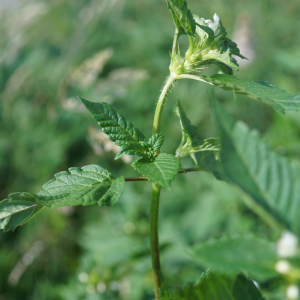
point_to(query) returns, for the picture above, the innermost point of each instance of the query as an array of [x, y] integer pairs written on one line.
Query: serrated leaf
[[182, 17], [75, 179], [210, 145], [224, 58], [269, 94], [190, 143], [213, 286], [160, 170], [132, 149], [114, 193], [155, 142], [228, 255], [119, 130], [78, 186], [271, 180], [82, 186], [188, 130], [17, 210]]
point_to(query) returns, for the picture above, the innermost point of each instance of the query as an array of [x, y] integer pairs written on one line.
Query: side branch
[[136, 179]]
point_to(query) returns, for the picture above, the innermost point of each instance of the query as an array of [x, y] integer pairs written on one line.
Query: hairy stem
[[161, 102], [154, 206]]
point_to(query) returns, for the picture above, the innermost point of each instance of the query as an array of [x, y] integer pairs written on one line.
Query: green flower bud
[[212, 46]]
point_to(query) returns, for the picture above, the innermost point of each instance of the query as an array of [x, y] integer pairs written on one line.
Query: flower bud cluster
[[210, 45]]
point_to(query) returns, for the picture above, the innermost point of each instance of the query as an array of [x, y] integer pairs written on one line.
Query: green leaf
[[207, 162], [82, 186], [190, 143], [211, 145], [224, 58], [188, 130], [78, 186], [118, 128], [114, 192], [213, 286], [132, 149], [160, 170], [182, 17], [269, 94], [17, 210], [249, 255], [271, 180], [246, 289], [155, 143]]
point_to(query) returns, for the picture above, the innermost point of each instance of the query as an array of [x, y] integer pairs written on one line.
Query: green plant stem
[[154, 206], [154, 243], [161, 102]]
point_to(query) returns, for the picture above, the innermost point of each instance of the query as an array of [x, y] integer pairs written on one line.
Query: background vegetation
[[117, 51]]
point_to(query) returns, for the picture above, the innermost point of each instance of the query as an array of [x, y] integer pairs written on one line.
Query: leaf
[[269, 94], [114, 193], [82, 186], [211, 145], [160, 170], [224, 58], [118, 128], [213, 286], [78, 186], [17, 210], [132, 149], [190, 143], [228, 255], [246, 289], [271, 180], [182, 17], [207, 162], [155, 143], [188, 130]]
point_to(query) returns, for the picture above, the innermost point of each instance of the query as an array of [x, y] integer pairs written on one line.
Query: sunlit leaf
[[160, 170], [182, 16], [82, 186], [155, 142], [119, 130], [269, 94]]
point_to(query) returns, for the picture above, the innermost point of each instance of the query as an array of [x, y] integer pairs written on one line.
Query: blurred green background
[[117, 51]]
